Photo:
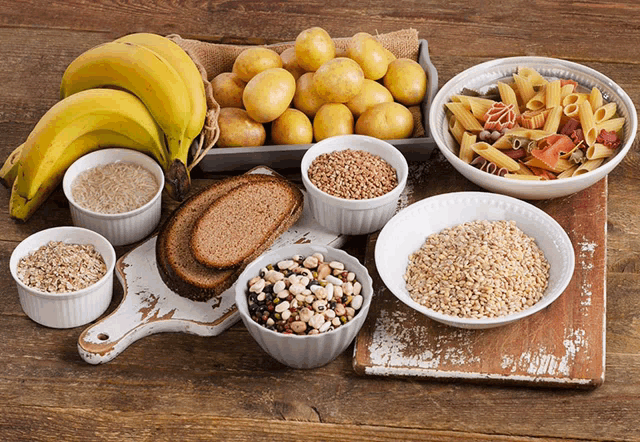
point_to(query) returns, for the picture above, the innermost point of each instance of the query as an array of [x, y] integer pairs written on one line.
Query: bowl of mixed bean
[[304, 303]]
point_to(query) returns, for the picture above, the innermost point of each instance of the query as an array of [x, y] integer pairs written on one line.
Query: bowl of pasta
[[533, 127]]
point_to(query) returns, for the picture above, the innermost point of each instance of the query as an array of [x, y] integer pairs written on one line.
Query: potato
[[389, 54], [305, 98], [313, 48], [338, 80], [237, 129], [332, 119], [407, 81], [387, 121], [372, 93], [290, 63], [268, 94], [369, 54], [292, 127], [227, 90], [252, 61]]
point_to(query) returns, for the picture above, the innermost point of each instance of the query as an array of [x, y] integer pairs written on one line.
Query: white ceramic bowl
[[484, 75], [408, 230], [304, 351], [354, 217], [119, 228], [65, 310]]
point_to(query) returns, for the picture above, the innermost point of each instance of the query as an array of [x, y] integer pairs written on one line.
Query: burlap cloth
[[213, 59]]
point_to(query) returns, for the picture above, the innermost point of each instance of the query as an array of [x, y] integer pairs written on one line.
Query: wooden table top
[[183, 387]]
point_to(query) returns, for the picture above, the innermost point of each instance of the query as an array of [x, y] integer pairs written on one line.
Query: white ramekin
[[119, 228], [65, 310], [304, 351], [354, 217]]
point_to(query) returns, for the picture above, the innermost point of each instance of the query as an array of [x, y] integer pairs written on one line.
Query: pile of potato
[[366, 90]]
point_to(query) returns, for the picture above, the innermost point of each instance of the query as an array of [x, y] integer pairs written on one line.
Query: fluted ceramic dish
[[486, 75], [72, 309], [119, 228], [407, 231], [354, 217], [304, 351]]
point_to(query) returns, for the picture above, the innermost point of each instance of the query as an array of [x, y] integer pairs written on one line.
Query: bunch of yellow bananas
[[141, 92]]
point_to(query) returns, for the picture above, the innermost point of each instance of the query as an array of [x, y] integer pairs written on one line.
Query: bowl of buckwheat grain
[[474, 259], [64, 276], [353, 182], [115, 192], [304, 303]]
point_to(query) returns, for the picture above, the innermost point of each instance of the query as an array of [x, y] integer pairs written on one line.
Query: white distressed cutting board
[[148, 306], [560, 346]]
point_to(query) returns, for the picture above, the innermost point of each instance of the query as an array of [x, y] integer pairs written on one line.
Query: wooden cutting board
[[148, 306], [563, 345]]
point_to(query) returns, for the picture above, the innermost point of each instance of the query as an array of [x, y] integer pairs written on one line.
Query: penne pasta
[[613, 124], [574, 98], [560, 166], [466, 118], [595, 98], [587, 122], [571, 110], [604, 112], [480, 107], [599, 151], [566, 90], [525, 88], [532, 177], [466, 153], [537, 101], [508, 96], [532, 134], [533, 76], [539, 141], [456, 128], [503, 143], [552, 94], [569, 172], [587, 166], [493, 155], [524, 170], [552, 122]]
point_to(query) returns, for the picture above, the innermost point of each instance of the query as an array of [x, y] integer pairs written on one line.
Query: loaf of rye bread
[[176, 263]]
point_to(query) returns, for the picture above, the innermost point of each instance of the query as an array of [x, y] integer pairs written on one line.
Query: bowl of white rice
[[115, 192]]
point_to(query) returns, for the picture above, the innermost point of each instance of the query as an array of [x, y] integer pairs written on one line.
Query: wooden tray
[[148, 306], [281, 156], [563, 345]]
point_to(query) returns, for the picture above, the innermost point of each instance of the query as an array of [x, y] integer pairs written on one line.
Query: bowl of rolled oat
[[64, 276], [115, 192], [474, 259], [304, 303], [353, 182]]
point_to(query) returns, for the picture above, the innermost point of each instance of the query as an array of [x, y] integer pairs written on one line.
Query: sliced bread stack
[[206, 242]]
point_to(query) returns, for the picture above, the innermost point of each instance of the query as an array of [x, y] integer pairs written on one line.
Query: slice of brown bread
[[239, 226], [176, 264]]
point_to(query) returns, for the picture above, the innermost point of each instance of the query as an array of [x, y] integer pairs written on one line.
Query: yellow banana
[[185, 67], [21, 208], [82, 113], [178, 173], [144, 73], [9, 169]]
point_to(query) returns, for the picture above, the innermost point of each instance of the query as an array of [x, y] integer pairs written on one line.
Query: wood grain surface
[[185, 387]]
